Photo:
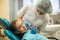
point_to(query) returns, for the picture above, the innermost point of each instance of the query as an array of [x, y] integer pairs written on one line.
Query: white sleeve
[[22, 11], [42, 27]]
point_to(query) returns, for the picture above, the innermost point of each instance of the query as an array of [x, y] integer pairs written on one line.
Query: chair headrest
[[5, 22], [11, 35]]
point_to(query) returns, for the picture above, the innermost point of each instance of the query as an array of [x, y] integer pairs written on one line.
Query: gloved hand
[[34, 30], [27, 24]]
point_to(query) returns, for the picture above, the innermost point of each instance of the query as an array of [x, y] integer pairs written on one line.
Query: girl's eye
[[24, 28], [19, 27]]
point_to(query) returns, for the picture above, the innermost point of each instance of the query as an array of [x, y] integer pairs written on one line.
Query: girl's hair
[[13, 26]]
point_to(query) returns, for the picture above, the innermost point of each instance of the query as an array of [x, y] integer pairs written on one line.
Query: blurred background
[[9, 8]]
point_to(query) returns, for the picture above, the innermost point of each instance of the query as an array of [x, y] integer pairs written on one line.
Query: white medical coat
[[28, 14]]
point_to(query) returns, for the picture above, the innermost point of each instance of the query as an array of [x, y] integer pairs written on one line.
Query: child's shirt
[[37, 36]]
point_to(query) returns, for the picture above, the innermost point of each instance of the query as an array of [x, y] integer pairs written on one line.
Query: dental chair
[[9, 33]]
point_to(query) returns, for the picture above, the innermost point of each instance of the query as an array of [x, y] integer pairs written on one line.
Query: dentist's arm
[[21, 12]]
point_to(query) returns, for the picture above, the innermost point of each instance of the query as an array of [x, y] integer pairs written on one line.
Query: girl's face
[[39, 12], [20, 26]]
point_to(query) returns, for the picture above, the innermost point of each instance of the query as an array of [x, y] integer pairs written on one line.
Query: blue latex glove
[[34, 30], [27, 24]]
